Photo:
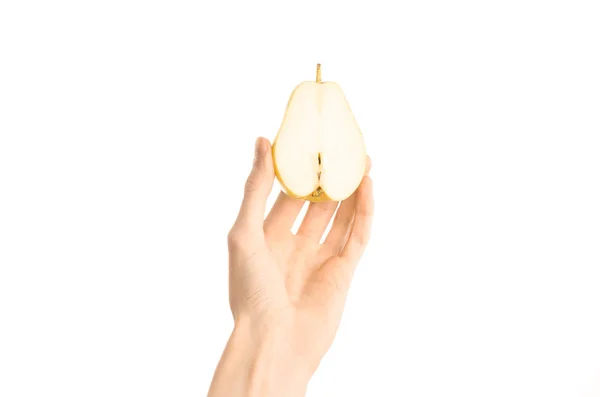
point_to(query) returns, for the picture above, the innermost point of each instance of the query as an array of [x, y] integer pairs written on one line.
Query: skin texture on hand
[[287, 291]]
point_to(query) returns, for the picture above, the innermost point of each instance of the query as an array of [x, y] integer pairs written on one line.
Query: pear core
[[319, 152]]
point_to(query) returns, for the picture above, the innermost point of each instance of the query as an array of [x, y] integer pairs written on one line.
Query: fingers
[[257, 189], [361, 227], [338, 271], [316, 220], [342, 224], [283, 214], [338, 234]]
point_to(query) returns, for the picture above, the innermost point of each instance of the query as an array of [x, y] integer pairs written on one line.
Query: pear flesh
[[319, 152]]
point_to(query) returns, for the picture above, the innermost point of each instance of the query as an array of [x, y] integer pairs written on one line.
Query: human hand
[[286, 291]]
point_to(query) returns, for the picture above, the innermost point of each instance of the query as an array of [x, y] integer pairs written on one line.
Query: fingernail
[[259, 148]]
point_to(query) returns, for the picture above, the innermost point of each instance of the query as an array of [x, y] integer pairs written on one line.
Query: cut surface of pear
[[319, 152]]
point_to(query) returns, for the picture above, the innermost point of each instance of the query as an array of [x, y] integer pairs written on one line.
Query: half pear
[[319, 151]]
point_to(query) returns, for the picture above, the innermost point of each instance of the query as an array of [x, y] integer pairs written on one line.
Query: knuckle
[[251, 184], [335, 282], [361, 238], [235, 237], [364, 238], [258, 298]]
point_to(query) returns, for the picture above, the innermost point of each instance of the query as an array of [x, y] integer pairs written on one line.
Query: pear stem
[[318, 72]]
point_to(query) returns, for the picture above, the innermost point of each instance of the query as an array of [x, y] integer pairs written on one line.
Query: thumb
[[258, 186]]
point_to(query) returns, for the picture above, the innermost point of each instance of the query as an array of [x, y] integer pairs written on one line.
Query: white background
[[127, 131]]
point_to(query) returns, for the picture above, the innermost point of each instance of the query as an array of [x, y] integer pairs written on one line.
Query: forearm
[[258, 364]]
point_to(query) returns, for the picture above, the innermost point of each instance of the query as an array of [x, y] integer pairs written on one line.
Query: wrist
[[273, 367], [259, 360]]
